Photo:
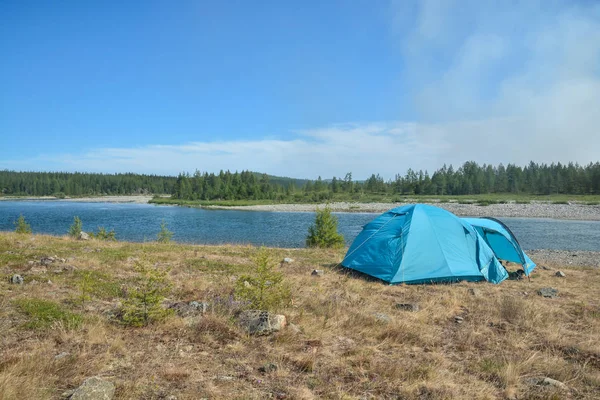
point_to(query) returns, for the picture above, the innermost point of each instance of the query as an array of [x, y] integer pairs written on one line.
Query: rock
[[62, 260], [474, 292], [546, 268], [94, 388], [68, 393], [268, 367], [83, 236], [383, 318], [560, 274], [412, 307], [16, 279], [516, 275], [46, 260], [458, 319], [317, 272], [548, 292], [247, 284], [287, 260], [185, 309], [553, 382], [49, 282], [61, 355], [30, 262], [257, 322]]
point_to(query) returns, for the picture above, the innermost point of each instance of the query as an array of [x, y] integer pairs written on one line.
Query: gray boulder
[[257, 322], [412, 307], [560, 274], [16, 279], [317, 272], [185, 309], [548, 292], [94, 388], [83, 236]]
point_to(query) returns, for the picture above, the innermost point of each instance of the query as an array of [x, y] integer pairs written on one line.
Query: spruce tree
[[324, 233]]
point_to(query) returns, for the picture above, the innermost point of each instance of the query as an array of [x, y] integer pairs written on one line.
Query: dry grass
[[339, 348]]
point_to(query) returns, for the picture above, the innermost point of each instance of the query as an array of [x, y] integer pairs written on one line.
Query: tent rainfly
[[419, 243]]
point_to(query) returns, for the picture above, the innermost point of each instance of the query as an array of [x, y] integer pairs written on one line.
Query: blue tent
[[419, 243], [502, 241]]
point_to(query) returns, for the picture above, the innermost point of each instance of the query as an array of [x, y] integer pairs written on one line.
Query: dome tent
[[419, 243]]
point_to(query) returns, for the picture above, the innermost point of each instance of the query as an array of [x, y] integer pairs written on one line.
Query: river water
[[141, 222]]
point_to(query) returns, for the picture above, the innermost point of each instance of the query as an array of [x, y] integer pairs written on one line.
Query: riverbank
[[534, 209], [345, 337]]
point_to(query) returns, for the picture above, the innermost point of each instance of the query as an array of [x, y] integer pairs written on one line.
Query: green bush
[[75, 229], [324, 233], [143, 303], [44, 314], [103, 234], [264, 288], [22, 226], [165, 235]]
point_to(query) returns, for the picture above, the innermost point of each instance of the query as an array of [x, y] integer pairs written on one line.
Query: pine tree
[[324, 233]]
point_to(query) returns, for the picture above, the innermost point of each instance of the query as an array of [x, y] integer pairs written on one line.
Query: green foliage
[[165, 235], [324, 233], [22, 226], [85, 287], [44, 314], [143, 303], [264, 288], [103, 234], [75, 229]]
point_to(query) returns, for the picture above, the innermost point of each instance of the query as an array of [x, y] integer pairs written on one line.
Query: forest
[[468, 179]]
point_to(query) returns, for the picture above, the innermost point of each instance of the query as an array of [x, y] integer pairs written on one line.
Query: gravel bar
[[573, 211]]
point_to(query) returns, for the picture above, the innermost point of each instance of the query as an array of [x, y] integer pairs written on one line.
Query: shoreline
[[135, 199]]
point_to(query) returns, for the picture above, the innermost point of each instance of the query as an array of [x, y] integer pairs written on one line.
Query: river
[[141, 222]]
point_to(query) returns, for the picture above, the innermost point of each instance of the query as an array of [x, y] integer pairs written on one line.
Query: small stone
[[16, 279], [247, 284], [560, 274], [548, 292], [317, 272], [458, 319], [94, 388], [61, 355], [30, 262], [225, 378], [199, 306], [287, 260], [553, 382], [49, 282], [257, 322], [268, 367], [546, 268], [412, 307], [474, 292], [383, 318], [83, 236]]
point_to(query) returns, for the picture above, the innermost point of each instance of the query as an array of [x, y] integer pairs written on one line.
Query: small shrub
[[75, 229], [264, 289], [22, 226], [85, 287], [103, 234], [143, 303], [165, 235], [324, 233], [44, 314]]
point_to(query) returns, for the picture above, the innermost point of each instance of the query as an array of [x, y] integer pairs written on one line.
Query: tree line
[[470, 178]]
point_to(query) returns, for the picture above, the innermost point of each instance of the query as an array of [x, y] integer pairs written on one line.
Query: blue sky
[[300, 89]]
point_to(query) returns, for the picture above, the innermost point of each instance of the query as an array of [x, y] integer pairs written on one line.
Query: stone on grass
[[83, 236], [560, 274], [185, 309], [268, 367], [317, 272], [61, 355], [458, 319], [257, 322], [382, 318], [94, 388], [16, 279], [412, 307], [287, 260], [553, 382], [548, 292]]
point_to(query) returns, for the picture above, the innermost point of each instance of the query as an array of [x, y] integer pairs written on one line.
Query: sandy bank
[[574, 211]]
